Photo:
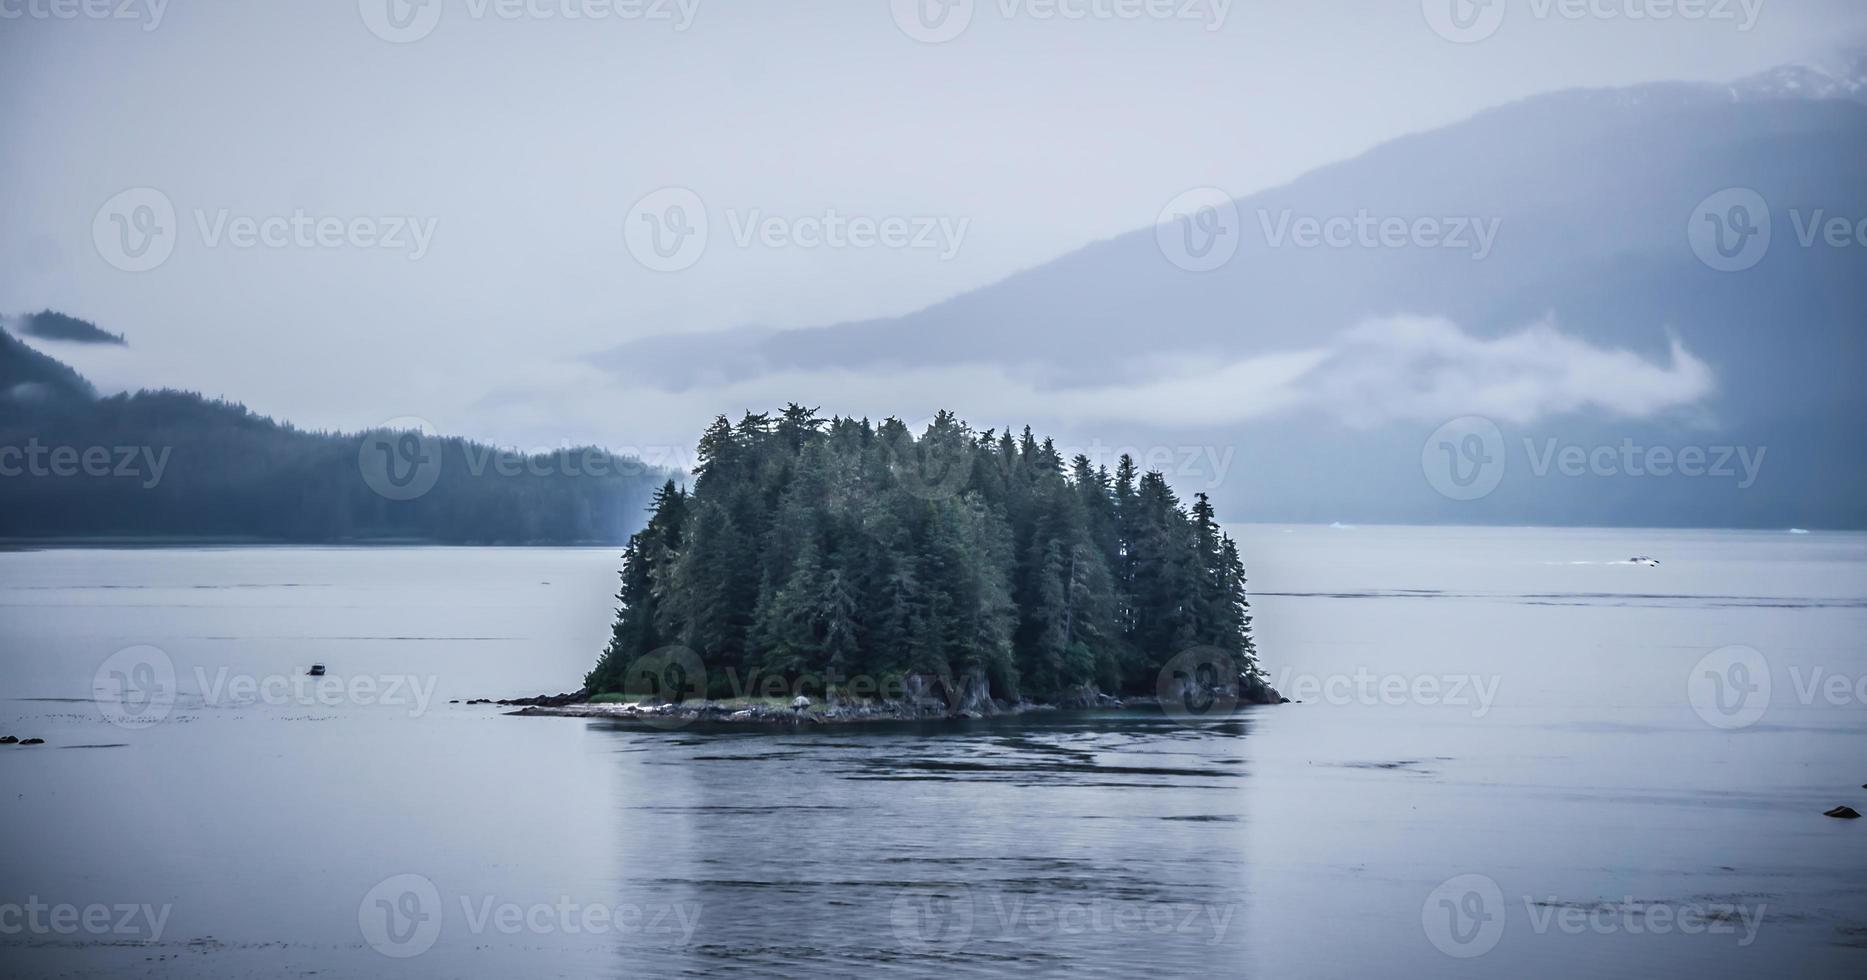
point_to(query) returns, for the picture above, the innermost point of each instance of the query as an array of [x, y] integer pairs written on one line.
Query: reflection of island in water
[[1096, 844]]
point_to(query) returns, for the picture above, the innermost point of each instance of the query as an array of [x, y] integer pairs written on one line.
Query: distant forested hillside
[[52, 325], [175, 464], [833, 548], [29, 378]]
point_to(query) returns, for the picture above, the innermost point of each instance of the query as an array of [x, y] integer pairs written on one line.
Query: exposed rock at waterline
[[1843, 812], [540, 701], [925, 697]]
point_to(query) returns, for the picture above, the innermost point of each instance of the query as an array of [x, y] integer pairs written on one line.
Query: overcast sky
[[515, 139]]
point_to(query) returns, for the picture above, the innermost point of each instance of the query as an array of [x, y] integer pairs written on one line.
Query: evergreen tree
[[833, 549]]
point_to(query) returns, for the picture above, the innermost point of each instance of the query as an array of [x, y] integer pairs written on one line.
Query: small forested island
[[832, 569]]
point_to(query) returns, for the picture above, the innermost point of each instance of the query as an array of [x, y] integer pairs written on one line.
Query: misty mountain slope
[[1591, 320], [29, 378], [52, 325], [1582, 186]]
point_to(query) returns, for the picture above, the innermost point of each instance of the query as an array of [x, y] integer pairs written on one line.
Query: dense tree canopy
[[833, 549]]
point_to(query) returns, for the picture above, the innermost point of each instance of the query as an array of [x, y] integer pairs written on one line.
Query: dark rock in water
[[40, 741], [544, 700], [1844, 812], [1254, 689], [10, 740]]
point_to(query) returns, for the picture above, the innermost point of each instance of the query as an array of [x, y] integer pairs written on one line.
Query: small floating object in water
[[1843, 812], [40, 741], [10, 740], [1798, 530], [317, 670], [1644, 560]]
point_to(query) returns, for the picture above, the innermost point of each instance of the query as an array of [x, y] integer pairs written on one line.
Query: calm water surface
[[1510, 760]]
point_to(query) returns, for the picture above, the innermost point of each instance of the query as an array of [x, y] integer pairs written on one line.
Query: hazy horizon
[[517, 146]]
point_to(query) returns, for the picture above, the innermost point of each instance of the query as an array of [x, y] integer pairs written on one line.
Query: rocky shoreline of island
[[804, 711]]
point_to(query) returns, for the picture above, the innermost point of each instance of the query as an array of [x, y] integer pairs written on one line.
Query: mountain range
[[1599, 318]]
